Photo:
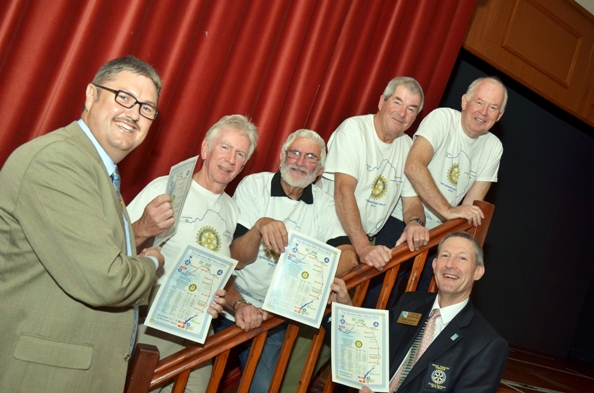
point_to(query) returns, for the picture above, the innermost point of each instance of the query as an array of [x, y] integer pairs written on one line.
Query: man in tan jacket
[[69, 274]]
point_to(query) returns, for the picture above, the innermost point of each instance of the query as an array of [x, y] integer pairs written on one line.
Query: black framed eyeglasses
[[309, 157], [127, 100]]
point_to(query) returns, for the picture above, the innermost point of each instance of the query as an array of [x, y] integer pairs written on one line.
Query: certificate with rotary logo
[[181, 302], [178, 185], [360, 347], [300, 286]]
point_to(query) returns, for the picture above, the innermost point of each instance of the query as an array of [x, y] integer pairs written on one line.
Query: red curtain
[[287, 64]]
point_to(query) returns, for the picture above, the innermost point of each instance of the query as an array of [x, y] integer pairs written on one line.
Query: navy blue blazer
[[468, 356]]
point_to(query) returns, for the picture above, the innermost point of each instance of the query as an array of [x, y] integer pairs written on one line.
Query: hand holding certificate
[[181, 302], [360, 347], [178, 185], [300, 286]]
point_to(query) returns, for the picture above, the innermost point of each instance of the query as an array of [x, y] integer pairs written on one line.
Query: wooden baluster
[[179, 386], [312, 358], [389, 281], [283, 357], [252, 362], [416, 271], [218, 368]]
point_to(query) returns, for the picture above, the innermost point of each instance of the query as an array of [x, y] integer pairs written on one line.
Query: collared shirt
[[446, 315], [107, 161], [110, 168], [277, 190], [261, 195]]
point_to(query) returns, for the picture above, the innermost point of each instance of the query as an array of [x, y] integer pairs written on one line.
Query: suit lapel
[[79, 136], [130, 230], [453, 334]]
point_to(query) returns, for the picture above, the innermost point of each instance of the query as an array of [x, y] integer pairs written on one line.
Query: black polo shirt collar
[[276, 190]]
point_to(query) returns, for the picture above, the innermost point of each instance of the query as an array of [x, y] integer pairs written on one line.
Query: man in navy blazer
[[466, 354]]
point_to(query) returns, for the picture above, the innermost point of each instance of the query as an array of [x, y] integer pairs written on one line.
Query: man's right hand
[[472, 213], [156, 218], [375, 256], [273, 233]]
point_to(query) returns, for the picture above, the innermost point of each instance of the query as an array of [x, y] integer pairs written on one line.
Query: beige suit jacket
[[67, 288]]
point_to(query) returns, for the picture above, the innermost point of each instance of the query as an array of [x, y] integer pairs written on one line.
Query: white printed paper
[[181, 302], [178, 186], [360, 347], [300, 287]]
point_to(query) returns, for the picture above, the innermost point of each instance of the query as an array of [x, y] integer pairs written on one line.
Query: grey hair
[[410, 83], [238, 122], [478, 250], [127, 63], [476, 82], [312, 136]]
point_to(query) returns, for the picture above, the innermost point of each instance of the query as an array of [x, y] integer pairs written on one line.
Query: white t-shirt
[[356, 150], [207, 220], [458, 160], [261, 195]]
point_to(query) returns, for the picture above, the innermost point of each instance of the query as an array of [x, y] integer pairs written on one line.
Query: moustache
[[126, 119], [298, 168]]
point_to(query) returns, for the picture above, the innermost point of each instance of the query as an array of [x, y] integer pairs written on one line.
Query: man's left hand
[[156, 217], [154, 252], [339, 293]]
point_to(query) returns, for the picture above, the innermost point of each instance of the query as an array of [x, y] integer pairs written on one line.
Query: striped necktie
[[117, 180], [421, 343]]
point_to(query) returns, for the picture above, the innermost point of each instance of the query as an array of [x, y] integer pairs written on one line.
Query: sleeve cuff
[[155, 261]]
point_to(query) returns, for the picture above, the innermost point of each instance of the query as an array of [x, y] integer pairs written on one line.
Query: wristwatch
[[417, 220], [240, 301]]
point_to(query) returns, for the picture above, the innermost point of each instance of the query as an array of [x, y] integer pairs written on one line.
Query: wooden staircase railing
[[144, 375]]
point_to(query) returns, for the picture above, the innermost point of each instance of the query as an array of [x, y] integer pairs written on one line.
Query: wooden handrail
[[219, 345]]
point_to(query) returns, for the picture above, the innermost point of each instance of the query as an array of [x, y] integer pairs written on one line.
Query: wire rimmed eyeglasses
[[308, 157]]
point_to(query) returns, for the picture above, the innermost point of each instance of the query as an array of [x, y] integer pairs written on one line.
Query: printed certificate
[[178, 186], [301, 282], [360, 347], [181, 302]]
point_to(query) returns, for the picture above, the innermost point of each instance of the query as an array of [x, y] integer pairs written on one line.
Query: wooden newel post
[[141, 368]]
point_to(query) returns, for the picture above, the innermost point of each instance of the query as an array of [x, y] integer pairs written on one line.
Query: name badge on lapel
[[438, 377], [409, 318]]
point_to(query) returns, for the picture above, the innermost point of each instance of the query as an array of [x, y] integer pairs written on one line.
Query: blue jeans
[[268, 359]]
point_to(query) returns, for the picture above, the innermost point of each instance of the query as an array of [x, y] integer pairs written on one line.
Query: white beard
[[286, 176]]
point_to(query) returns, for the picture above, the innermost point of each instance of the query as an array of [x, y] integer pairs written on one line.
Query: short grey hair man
[[410, 83], [238, 122]]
